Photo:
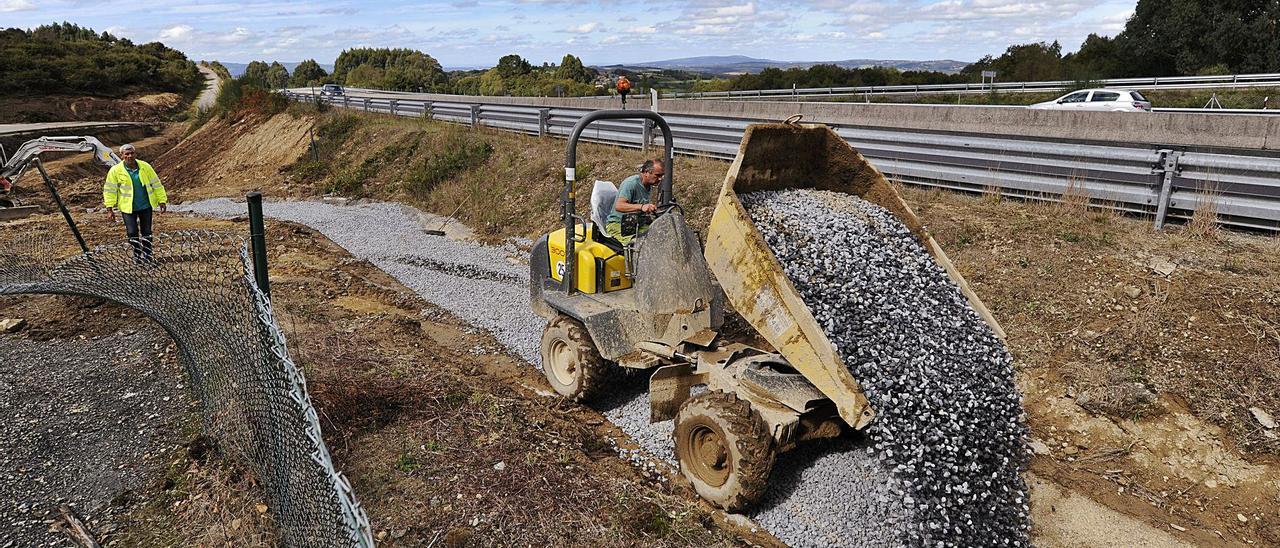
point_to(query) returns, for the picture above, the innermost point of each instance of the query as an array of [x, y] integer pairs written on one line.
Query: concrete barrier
[[1198, 131]]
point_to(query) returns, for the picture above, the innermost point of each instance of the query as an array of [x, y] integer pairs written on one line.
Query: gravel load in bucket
[[949, 420]]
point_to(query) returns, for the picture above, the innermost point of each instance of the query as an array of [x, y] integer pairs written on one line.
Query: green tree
[[1169, 37], [1099, 57], [492, 83], [512, 66], [571, 68], [277, 76], [256, 74], [308, 73], [402, 69], [366, 76], [67, 58], [1025, 63]]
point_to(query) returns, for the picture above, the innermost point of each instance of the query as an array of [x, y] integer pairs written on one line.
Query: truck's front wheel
[[573, 366], [724, 449]]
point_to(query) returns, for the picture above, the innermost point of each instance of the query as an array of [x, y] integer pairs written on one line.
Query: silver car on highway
[[1098, 100]]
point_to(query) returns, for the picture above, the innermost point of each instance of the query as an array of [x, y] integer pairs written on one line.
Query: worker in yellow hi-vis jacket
[[134, 188]]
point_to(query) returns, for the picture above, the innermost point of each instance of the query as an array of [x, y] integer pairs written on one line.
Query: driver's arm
[[624, 206]]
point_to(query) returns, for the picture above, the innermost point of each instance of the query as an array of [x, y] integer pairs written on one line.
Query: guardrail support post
[[346, 102], [393, 104], [475, 116], [426, 109], [544, 117], [1168, 167], [257, 235], [366, 105], [646, 136]]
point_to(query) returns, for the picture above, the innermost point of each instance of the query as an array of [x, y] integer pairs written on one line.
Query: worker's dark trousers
[[139, 221]]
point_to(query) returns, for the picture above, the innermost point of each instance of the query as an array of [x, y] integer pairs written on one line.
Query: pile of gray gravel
[[949, 418]]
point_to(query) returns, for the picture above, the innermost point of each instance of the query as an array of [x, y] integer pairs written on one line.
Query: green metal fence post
[[257, 234]]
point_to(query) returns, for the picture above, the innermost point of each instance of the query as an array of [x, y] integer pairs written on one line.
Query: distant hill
[[719, 65], [237, 69]]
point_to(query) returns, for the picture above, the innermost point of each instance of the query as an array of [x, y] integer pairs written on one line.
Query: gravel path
[[821, 495], [949, 416], [84, 422], [211, 85]]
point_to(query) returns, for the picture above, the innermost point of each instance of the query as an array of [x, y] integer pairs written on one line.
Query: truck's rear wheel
[[724, 449], [573, 366]]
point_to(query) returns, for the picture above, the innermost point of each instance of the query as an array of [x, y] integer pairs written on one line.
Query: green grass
[[351, 181], [463, 152]]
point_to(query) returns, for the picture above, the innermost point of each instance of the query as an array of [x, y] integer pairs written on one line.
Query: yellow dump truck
[[658, 303]]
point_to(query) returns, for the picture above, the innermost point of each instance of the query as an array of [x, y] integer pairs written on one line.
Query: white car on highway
[[1099, 100]]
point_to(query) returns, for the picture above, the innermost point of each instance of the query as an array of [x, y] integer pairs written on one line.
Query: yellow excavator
[[658, 303]]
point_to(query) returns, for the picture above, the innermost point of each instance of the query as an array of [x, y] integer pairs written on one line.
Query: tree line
[[412, 70], [68, 58], [1162, 38], [825, 76]]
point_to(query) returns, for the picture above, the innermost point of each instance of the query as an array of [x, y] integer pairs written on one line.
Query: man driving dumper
[[633, 203]]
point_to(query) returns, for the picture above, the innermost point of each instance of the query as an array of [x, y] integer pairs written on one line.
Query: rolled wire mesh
[[199, 287]]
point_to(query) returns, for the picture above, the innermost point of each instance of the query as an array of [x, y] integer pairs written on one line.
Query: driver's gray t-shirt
[[634, 191]]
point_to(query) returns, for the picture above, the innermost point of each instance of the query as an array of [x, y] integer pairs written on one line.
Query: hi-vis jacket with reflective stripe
[[118, 190]]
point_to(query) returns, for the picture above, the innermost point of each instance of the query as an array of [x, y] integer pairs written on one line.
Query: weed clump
[[460, 153], [351, 181], [331, 134]]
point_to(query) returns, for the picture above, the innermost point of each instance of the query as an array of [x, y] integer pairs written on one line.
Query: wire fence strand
[[199, 287]]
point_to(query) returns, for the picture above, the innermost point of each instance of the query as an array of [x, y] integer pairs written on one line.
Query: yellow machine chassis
[[601, 269]]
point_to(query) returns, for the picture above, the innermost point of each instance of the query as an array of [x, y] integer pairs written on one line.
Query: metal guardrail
[[1165, 182], [1168, 82]]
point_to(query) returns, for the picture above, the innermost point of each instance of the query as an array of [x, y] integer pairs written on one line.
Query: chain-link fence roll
[[199, 287]]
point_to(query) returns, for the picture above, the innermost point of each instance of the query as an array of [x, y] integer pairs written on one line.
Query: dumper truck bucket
[[791, 156]]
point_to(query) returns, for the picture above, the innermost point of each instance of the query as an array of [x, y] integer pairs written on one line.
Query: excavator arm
[[15, 165]]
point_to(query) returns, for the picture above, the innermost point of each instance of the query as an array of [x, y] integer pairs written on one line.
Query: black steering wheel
[[664, 209]]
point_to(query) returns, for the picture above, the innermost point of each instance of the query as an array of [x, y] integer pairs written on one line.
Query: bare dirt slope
[[142, 107]]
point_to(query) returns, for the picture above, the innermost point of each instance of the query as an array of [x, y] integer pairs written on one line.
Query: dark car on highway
[[331, 89]]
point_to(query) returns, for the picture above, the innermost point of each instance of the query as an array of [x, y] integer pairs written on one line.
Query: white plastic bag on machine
[[603, 195]]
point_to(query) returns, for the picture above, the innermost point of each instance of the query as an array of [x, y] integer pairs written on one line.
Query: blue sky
[[477, 32]]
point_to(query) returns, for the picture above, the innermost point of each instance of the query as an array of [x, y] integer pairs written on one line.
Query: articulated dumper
[[658, 303]]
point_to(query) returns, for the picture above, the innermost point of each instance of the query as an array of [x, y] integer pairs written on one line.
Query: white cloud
[[650, 29], [119, 31], [240, 34], [730, 11], [177, 33], [16, 5], [585, 28]]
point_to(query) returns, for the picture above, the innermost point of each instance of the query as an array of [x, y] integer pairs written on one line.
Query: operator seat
[[603, 194]]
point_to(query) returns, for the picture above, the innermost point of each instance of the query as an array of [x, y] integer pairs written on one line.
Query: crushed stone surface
[[835, 494], [85, 423], [949, 418]]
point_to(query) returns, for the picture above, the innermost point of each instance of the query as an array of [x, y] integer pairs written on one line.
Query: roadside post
[[258, 237]]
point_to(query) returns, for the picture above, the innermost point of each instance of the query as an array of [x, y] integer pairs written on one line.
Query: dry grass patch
[[1204, 222], [1079, 294], [499, 183], [204, 500]]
